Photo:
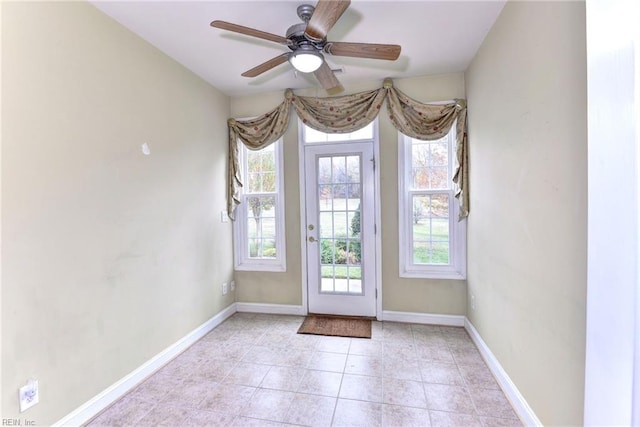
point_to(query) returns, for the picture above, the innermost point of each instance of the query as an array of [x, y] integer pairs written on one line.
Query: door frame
[[376, 219]]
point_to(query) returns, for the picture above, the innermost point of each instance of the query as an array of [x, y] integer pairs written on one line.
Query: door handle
[[312, 239]]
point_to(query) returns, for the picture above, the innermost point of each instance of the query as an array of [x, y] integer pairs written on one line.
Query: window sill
[[276, 268], [447, 274]]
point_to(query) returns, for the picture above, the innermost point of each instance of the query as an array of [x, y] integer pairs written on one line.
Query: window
[[259, 227], [312, 136], [432, 240]]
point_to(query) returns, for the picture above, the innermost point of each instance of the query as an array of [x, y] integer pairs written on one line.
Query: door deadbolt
[[311, 227]]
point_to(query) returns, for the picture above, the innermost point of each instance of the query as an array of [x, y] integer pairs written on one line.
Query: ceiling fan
[[308, 40]]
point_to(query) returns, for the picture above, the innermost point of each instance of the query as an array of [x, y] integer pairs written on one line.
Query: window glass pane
[[421, 205], [252, 230], [440, 253], [429, 164], [267, 151], [440, 205], [269, 208], [325, 197], [355, 286], [353, 169], [353, 202], [364, 133], [327, 282], [355, 223], [254, 248], [420, 178], [327, 253], [333, 137], [269, 248], [430, 230], [313, 136], [422, 230], [339, 170], [440, 229], [268, 228], [419, 153], [324, 170], [340, 224], [261, 170], [421, 253], [262, 248], [351, 215], [261, 226], [326, 224], [439, 178], [353, 251], [254, 182], [439, 153], [268, 182]]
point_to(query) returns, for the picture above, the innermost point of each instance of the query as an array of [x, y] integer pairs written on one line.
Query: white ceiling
[[436, 37]]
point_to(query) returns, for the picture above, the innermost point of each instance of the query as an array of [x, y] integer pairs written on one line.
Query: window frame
[[456, 269], [242, 261]]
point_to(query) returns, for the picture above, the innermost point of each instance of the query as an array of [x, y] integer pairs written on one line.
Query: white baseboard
[[252, 307], [425, 318], [94, 406], [520, 405]]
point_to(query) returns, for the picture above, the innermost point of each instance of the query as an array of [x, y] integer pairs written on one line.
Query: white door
[[340, 240]]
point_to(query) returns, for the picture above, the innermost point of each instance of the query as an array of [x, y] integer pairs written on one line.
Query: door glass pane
[[324, 170], [339, 233], [353, 169]]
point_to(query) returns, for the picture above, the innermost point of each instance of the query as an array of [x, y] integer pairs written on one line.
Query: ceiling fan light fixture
[[306, 59]]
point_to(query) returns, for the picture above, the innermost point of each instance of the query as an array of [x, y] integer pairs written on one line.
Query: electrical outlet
[[224, 288], [473, 302], [224, 216], [233, 285], [29, 395]]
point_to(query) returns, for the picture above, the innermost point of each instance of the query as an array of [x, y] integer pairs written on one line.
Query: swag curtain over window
[[344, 114]]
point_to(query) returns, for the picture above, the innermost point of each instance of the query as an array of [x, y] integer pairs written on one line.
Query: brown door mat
[[338, 326]]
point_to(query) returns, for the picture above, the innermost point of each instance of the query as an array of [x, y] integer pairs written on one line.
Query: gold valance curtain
[[344, 114]]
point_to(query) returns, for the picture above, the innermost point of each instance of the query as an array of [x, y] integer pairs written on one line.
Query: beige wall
[[108, 256], [412, 295], [526, 92]]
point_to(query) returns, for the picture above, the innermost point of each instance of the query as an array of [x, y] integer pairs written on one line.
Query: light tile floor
[[254, 370]]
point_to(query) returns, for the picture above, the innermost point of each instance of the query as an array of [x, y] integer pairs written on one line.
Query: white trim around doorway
[[377, 220]]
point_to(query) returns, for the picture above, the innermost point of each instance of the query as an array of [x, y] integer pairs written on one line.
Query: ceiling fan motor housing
[[296, 33], [305, 11]]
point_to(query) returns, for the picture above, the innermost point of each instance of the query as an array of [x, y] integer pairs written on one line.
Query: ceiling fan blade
[[390, 52], [249, 31], [266, 66], [326, 77], [324, 17]]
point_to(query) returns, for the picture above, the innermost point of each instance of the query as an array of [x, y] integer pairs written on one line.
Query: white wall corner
[[423, 318], [252, 307], [520, 405], [110, 395]]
